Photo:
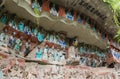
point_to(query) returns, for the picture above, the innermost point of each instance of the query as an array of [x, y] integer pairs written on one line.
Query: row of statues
[[40, 34], [14, 43], [51, 54], [70, 15], [45, 53], [86, 50], [35, 31], [53, 10]]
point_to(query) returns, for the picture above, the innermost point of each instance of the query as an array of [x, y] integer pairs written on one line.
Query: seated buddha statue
[[11, 22], [21, 26], [18, 44], [51, 38], [51, 54], [39, 53], [38, 7], [3, 39], [29, 31], [82, 50], [15, 26], [27, 48], [47, 38], [4, 18], [64, 44], [55, 39], [62, 56], [58, 55], [69, 16], [1, 74], [26, 30], [53, 11], [11, 41], [35, 31], [79, 19], [45, 54], [34, 4], [40, 37]]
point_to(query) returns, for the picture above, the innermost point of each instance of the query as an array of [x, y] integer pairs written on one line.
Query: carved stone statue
[[21, 26], [4, 18]]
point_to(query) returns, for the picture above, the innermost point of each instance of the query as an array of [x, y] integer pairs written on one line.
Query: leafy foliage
[[115, 4], [118, 36]]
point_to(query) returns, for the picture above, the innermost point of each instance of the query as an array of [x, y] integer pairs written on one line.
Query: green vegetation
[[115, 4], [117, 36]]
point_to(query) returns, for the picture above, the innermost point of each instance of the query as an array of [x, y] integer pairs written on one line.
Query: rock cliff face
[[2, 2], [36, 71], [49, 22]]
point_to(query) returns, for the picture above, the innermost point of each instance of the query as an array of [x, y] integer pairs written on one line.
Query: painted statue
[[35, 31], [79, 19], [11, 23], [27, 48], [36, 7], [40, 37], [45, 54], [53, 11], [11, 41], [18, 45], [69, 16], [21, 26], [39, 53], [26, 30], [1, 74], [51, 38], [2, 37], [4, 18]]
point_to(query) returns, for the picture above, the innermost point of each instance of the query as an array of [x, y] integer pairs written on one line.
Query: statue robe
[[26, 30], [39, 53], [79, 20], [35, 31], [45, 54], [2, 37], [4, 19], [53, 11], [11, 23], [21, 26], [69, 16], [18, 45], [40, 37], [1, 74]]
